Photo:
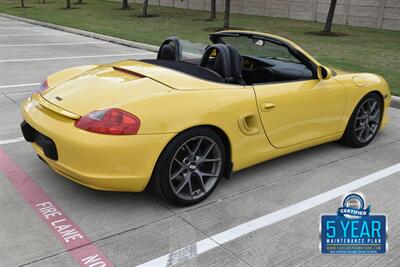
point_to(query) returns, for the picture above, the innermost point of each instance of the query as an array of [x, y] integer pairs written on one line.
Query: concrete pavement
[[132, 229]]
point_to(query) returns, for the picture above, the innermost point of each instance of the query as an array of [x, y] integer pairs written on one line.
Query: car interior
[[223, 63]]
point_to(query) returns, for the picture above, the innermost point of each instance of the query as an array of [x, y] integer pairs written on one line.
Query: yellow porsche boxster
[[181, 122]]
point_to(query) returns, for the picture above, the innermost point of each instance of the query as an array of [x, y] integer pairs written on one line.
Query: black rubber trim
[[187, 68], [28, 132], [33, 136]]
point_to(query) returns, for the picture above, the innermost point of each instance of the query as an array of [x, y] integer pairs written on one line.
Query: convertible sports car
[[182, 121]]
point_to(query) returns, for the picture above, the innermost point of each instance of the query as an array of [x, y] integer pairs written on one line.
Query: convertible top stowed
[[188, 68]]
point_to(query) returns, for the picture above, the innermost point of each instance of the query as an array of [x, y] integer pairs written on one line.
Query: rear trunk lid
[[100, 88]]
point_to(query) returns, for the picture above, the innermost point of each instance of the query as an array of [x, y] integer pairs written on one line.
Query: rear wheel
[[364, 122], [190, 166]]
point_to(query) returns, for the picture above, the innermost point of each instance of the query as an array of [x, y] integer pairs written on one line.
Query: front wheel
[[364, 122], [190, 167]]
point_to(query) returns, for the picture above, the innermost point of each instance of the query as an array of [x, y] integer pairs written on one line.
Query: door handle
[[267, 106]]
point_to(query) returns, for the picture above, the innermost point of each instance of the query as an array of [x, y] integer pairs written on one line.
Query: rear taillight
[[42, 87], [109, 121]]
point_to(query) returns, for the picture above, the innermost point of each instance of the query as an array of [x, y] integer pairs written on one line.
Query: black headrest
[[170, 49], [221, 62], [166, 52]]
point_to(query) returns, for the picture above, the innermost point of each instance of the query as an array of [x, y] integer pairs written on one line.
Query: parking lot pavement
[[131, 229]]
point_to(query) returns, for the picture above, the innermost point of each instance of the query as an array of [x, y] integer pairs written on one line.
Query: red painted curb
[[68, 233]]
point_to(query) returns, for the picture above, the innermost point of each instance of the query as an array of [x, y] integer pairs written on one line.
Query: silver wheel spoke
[[365, 108], [371, 129], [198, 145], [176, 174], [210, 160], [366, 132], [200, 173], [190, 187], [183, 183], [372, 107], [208, 151], [191, 153], [180, 163], [375, 117], [361, 133], [203, 187], [360, 127], [361, 117]]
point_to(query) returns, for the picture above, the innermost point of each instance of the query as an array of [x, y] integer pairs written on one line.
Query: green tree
[[125, 4], [145, 8], [227, 13], [22, 3], [213, 14], [329, 18]]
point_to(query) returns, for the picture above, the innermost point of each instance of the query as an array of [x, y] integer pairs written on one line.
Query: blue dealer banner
[[353, 230]]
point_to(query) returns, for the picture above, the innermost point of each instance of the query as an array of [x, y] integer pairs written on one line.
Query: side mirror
[[324, 73]]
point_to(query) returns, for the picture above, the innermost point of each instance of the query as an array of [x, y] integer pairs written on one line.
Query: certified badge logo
[[353, 229], [353, 206]]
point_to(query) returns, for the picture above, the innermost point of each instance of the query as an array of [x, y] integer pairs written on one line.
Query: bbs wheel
[[364, 122], [190, 166]]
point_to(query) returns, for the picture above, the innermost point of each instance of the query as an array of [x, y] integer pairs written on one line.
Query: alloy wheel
[[367, 120], [195, 168]]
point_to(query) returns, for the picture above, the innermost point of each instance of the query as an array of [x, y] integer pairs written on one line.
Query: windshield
[[192, 51], [253, 46]]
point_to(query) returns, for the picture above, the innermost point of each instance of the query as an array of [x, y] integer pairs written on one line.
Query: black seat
[[236, 65], [217, 59], [224, 60], [170, 49]]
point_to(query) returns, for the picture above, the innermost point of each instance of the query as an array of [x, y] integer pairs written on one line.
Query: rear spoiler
[[46, 104]]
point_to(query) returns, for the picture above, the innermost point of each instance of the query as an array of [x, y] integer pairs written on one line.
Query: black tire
[[350, 137], [162, 172]]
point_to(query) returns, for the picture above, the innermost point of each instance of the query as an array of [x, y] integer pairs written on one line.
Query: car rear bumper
[[105, 162]]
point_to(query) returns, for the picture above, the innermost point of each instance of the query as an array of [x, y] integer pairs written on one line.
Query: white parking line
[[11, 141], [74, 57], [18, 85], [12, 22], [34, 34], [266, 220], [49, 44], [19, 28]]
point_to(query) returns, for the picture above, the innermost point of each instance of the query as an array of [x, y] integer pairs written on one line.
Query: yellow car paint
[[108, 162], [303, 111], [260, 122]]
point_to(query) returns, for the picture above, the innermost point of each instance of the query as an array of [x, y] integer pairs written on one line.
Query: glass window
[[253, 46]]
